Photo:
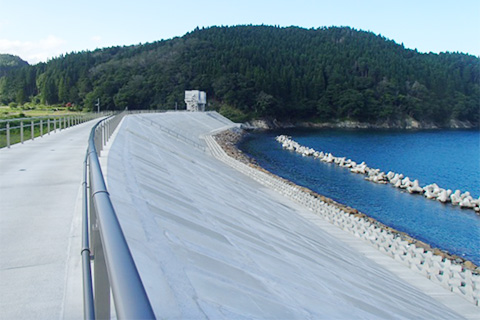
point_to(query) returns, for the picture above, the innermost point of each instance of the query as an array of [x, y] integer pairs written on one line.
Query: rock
[[415, 188], [466, 203], [259, 124], [457, 124], [396, 178], [430, 194], [469, 265], [476, 202], [432, 188], [406, 183], [465, 195], [390, 175], [380, 178], [412, 123], [443, 196], [329, 158], [455, 197], [398, 184], [358, 169]]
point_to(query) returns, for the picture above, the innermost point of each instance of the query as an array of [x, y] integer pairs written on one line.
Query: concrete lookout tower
[[195, 100]]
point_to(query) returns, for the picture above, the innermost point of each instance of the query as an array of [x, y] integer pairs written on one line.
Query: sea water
[[449, 158]]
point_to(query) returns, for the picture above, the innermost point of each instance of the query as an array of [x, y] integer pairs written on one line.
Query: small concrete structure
[[195, 100]]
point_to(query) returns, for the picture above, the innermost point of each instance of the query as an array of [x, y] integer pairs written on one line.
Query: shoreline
[[405, 124], [229, 139]]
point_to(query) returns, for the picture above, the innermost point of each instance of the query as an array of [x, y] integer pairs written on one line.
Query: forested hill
[[264, 72], [9, 62]]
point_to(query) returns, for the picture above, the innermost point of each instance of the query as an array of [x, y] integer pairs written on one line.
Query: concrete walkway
[[40, 270]]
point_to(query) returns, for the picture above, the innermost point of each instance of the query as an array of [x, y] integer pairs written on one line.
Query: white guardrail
[[19, 130]]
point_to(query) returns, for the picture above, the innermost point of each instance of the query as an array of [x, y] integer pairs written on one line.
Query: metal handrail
[[18, 130], [113, 264], [88, 302]]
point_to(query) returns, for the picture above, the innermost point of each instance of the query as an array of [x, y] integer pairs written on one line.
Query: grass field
[[23, 123], [7, 112]]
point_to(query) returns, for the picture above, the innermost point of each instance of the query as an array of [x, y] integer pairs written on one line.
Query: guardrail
[[18, 130], [103, 242]]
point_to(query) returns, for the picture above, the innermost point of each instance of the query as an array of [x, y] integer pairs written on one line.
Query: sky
[[40, 30]]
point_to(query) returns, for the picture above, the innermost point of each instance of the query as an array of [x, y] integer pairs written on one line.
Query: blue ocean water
[[446, 157]]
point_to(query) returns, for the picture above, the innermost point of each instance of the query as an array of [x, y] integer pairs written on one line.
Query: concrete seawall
[[211, 242], [450, 275]]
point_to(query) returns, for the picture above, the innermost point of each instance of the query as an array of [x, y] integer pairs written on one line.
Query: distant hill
[[9, 62], [264, 72]]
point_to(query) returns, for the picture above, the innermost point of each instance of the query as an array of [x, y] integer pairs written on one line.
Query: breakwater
[[451, 272], [431, 191]]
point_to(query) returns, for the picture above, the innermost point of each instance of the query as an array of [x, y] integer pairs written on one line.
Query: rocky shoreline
[[406, 124], [229, 140]]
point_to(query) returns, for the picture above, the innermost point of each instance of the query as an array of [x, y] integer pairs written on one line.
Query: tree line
[[249, 72]]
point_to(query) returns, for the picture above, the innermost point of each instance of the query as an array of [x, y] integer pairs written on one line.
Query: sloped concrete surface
[[211, 243], [40, 212]]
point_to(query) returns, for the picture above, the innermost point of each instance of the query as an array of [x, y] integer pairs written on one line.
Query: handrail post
[[48, 126], [105, 133], [32, 130], [21, 132], [41, 128], [8, 134], [100, 274]]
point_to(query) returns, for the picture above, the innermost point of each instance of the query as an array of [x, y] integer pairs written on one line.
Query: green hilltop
[[9, 62], [255, 72]]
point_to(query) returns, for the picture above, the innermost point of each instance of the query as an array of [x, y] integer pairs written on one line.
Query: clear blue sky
[[38, 30]]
